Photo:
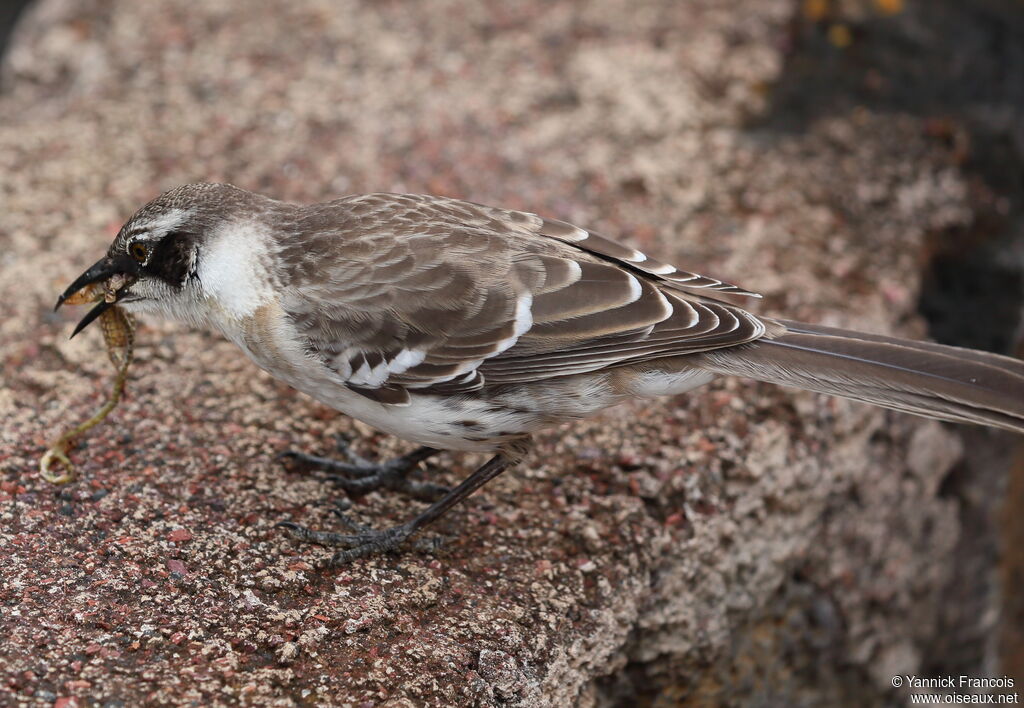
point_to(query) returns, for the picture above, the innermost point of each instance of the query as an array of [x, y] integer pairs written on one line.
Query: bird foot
[[362, 541], [361, 476]]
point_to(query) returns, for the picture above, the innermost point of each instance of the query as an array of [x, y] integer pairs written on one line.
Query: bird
[[464, 327]]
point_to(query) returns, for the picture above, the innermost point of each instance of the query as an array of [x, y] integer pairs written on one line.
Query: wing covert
[[434, 295]]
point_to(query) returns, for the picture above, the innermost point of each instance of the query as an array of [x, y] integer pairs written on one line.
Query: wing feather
[[439, 296], [601, 246]]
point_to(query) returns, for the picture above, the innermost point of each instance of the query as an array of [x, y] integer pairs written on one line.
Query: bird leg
[[363, 541], [361, 476]]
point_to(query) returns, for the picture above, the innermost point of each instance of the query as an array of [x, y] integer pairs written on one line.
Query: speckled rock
[[678, 549]]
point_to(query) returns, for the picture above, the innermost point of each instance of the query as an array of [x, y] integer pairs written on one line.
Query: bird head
[[153, 263]]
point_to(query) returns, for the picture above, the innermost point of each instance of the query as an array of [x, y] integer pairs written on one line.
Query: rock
[[744, 541]]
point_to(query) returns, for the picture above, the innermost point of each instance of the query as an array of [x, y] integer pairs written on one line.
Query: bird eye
[[139, 252]]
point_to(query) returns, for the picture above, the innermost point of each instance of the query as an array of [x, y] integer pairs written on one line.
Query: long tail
[[948, 383]]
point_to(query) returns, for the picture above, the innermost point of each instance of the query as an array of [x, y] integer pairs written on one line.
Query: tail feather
[[933, 380]]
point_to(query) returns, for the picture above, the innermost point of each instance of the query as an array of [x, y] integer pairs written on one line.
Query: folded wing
[[440, 296]]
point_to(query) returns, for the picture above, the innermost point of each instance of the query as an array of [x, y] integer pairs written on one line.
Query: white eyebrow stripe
[[163, 224]]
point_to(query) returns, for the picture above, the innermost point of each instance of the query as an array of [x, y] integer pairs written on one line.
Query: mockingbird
[[466, 327]]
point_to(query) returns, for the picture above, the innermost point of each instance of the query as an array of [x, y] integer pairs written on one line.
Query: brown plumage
[[447, 278], [463, 326]]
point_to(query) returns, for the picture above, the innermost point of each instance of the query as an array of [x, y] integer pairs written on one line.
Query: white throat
[[232, 269]]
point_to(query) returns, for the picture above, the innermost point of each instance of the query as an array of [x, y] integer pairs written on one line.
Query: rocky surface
[[744, 543]]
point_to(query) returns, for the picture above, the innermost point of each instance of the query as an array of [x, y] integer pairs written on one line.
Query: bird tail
[[932, 380]]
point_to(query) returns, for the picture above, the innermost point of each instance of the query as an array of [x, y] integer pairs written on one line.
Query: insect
[[119, 335]]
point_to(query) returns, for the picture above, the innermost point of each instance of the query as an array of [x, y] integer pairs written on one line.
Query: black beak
[[103, 269]]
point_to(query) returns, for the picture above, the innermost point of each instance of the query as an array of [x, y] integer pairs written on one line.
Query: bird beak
[[115, 272]]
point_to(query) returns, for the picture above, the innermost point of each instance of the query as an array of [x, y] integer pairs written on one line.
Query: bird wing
[[400, 293]]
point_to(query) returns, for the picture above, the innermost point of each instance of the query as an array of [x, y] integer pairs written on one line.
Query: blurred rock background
[[858, 162]]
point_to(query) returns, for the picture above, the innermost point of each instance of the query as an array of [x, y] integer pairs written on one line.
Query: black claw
[[351, 524], [428, 545], [291, 460], [296, 531]]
